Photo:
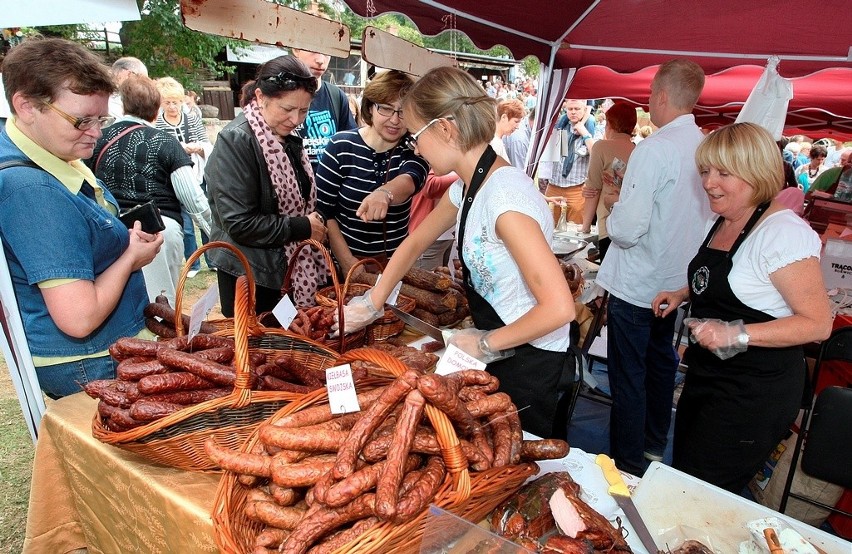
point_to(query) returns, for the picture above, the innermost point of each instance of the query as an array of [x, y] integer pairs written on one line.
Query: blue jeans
[[190, 245], [642, 363], [63, 379]]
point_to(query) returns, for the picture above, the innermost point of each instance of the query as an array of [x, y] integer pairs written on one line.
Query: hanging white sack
[[767, 102]]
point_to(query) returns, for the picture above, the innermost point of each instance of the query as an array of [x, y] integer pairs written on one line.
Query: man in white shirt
[[120, 70], [656, 227]]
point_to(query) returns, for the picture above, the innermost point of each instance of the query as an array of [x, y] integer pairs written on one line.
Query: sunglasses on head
[[285, 79]]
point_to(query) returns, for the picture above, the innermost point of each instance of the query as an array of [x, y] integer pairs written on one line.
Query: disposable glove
[[725, 339], [474, 342], [357, 314]]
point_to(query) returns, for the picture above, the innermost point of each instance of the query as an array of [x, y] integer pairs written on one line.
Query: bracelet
[[386, 191], [483, 344], [586, 137]]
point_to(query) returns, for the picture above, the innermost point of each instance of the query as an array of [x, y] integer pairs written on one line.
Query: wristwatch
[[484, 347], [743, 338]]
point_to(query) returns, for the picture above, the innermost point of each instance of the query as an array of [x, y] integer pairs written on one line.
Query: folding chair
[[17, 353], [826, 430]]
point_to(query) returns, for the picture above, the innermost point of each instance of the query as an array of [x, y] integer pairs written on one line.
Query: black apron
[[535, 398], [732, 412]]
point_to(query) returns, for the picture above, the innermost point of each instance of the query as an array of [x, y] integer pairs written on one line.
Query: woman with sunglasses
[[366, 177], [75, 268], [261, 188], [519, 299]]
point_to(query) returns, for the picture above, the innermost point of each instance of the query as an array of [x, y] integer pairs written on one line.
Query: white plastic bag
[[767, 103]]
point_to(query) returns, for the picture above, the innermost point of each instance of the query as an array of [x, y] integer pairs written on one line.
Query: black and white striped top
[[348, 171], [190, 129]]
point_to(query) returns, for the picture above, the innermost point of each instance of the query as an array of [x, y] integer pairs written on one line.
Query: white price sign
[[342, 398], [201, 309], [285, 312], [456, 359]]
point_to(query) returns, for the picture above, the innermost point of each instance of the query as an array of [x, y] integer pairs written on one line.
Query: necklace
[[813, 172]]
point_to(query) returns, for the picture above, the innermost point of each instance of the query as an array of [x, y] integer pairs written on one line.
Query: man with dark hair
[[656, 227], [329, 111]]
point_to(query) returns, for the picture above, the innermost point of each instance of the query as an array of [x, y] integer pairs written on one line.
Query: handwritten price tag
[[341, 390], [285, 312], [201, 309], [456, 359]]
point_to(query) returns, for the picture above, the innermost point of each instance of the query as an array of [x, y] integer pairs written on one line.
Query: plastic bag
[[767, 103]]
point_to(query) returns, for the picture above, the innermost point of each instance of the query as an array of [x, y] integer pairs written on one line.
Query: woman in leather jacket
[[261, 188]]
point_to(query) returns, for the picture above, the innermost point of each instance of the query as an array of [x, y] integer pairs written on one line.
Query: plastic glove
[[470, 342], [725, 339], [357, 314]]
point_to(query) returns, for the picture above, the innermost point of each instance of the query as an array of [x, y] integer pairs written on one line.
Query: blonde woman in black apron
[[757, 295], [519, 299]]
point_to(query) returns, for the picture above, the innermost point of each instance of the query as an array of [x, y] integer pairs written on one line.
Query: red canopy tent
[[579, 39]]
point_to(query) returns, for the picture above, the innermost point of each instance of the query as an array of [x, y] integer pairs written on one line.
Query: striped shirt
[[348, 171], [189, 129]]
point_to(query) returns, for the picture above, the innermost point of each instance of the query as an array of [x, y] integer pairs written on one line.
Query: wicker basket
[[383, 328], [471, 496], [342, 342], [177, 440], [221, 324]]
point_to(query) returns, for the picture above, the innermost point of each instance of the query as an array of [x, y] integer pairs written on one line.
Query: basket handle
[[243, 320], [287, 285], [351, 273], [188, 265], [448, 440]]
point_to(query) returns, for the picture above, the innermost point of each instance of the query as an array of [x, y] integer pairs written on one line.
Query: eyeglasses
[[388, 111], [411, 142], [83, 123], [287, 80]]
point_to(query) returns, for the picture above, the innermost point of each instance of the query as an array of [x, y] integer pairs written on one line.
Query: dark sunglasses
[[291, 81]]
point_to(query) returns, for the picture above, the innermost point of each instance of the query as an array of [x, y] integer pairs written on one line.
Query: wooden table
[[86, 494]]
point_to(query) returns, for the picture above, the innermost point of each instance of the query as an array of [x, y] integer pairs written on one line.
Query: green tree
[[169, 48], [531, 66]]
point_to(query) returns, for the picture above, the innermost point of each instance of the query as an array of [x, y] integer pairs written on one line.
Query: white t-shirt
[[779, 240], [494, 272]]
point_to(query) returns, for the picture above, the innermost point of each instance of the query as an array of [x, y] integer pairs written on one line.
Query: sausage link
[[301, 474], [320, 521], [372, 418], [132, 369], [159, 328], [130, 346], [245, 463], [322, 413], [151, 410], [345, 491], [221, 355], [284, 496], [171, 382], [545, 449], [443, 394], [502, 436], [423, 492], [344, 537], [117, 419], [189, 397], [491, 404], [270, 537], [270, 513], [268, 382], [306, 439], [206, 369], [301, 372], [387, 488]]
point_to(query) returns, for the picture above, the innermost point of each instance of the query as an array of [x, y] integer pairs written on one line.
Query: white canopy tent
[[33, 13]]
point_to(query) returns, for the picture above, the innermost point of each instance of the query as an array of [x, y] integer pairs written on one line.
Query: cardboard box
[[836, 264]]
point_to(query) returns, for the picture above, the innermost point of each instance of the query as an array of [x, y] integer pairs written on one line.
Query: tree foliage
[[167, 47]]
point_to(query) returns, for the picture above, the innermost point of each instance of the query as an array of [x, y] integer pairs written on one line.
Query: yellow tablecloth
[[86, 494]]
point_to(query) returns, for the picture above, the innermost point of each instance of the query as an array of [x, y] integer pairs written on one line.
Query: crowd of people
[[433, 169]]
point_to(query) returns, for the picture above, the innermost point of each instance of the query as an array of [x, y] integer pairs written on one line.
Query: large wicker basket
[[342, 342], [383, 328], [469, 495], [178, 439]]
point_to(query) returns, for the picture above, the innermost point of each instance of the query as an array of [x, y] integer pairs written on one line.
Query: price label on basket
[[456, 359], [392, 297], [201, 309], [285, 312], [341, 390]]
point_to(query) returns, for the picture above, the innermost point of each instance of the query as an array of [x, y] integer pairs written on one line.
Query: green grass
[[16, 453]]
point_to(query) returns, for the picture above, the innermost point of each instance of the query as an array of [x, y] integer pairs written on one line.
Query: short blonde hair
[[448, 91], [747, 151], [683, 81], [170, 88]]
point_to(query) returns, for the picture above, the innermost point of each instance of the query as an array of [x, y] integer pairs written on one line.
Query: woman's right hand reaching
[[318, 228]]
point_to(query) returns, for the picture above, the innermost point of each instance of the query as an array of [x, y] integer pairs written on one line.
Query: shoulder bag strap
[[110, 143], [19, 163]]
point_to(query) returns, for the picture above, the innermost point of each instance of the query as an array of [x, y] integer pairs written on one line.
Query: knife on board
[[420, 325], [621, 494]]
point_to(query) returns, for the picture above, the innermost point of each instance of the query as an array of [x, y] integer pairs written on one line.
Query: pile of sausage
[[438, 295], [574, 275], [160, 319], [314, 323], [317, 482], [158, 378]]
